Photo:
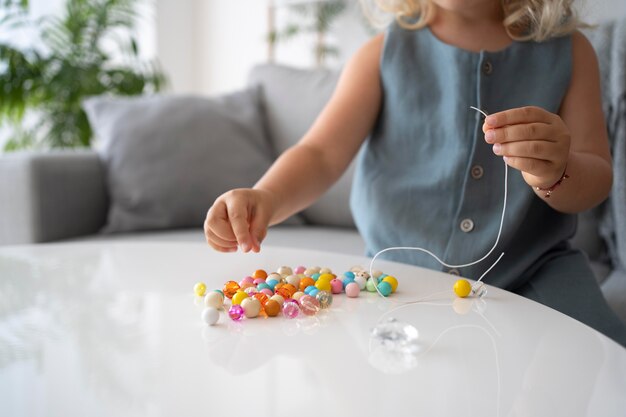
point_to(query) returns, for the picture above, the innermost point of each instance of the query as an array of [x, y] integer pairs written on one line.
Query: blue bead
[[349, 274], [263, 285], [346, 281], [308, 289], [385, 288], [315, 276], [380, 278], [314, 292], [272, 283]]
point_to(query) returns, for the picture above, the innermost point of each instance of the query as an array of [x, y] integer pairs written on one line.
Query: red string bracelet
[[550, 189]]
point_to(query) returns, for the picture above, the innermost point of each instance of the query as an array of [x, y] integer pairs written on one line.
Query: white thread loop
[[426, 251]]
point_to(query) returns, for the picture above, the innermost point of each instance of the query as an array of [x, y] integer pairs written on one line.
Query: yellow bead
[[462, 288], [392, 281], [199, 289], [326, 277], [239, 297], [323, 285]]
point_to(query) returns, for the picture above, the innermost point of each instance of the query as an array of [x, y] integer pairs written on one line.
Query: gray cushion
[[292, 100], [168, 157]]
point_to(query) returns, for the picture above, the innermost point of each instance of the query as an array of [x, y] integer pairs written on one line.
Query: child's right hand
[[239, 217]]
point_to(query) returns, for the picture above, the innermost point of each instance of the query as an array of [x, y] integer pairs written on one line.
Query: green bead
[[370, 286]]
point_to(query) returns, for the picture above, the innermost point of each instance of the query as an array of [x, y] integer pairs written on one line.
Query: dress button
[[454, 271], [467, 225], [487, 67], [477, 172]]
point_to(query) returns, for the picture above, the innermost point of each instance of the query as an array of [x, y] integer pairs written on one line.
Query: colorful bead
[[346, 280], [259, 281], [278, 298], [336, 286], [315, 276], [462, 288], [309, 271], [214, 299], [325, 298], [297, 295], [259, 273], [391, 280], [325, 271], [291, 309], [239, 297], [377, 273], [267, 292], [230, 288], [272, 308], [262, 298], [361, 281], [236, 312], [323, 285], [262, 286], [326, 277], [285, 271], [250, 291], [251, 307], [349, 274], [199, 289], [384, 288], [293, 280], [370, 285], [284, 292], [353, 290], [310, 288], [210, 316], [272, 283], [299, 270], [306, 282], [313, 292], [309, 305]]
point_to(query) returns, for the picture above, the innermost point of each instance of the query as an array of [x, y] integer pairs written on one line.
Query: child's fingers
[[519, 132], [238, 216], [258, 227], [519, 115], [536, 167], [212, 237], [537, 149]]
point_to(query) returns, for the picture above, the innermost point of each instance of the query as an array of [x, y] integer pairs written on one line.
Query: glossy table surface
[[114, 329]]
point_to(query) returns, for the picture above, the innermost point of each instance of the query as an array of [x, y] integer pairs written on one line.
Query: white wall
[[209, 46]]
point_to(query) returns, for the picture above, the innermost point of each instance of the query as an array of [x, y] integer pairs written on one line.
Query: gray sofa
[[70, 195]]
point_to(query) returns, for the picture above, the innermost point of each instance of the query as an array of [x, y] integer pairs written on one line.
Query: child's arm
[[303, 172], [543, 145]]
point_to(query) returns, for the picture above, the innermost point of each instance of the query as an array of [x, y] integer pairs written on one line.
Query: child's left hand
[[532, 140]]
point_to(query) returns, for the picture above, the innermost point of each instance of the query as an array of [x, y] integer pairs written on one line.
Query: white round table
[[114, 329]]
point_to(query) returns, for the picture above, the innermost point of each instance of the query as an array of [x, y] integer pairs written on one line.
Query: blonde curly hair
[[524, 20]]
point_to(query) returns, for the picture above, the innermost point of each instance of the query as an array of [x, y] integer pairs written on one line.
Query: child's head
[[523, 19]]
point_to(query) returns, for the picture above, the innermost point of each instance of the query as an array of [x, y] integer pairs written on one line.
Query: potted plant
[[88, 50]]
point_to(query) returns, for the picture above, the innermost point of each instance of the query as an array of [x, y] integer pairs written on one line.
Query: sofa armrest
[[50, 196]]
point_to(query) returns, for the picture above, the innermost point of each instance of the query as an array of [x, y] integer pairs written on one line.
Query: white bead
[[251, 307], [278, 298], [361, 281], [210, 316], [214, 299], [293, 280], [285, 270], [325, 271]]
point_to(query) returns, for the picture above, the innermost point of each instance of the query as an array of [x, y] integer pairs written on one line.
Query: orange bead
[[230, 288], [305, 282], [272, 308], [259, 273], [283, 292], [261, 297], [292, 289]]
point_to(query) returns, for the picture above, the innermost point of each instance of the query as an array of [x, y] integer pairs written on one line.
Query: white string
[[506, 182]]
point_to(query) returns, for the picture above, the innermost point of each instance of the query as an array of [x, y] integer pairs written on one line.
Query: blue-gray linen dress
[[427, 178]]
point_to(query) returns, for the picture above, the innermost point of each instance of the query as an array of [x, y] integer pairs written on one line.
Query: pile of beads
[[293, 292]]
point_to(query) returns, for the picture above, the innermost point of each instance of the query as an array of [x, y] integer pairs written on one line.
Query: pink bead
[[336, 286], [299, 270], [258, 281], [245, 285], [246, 279], [236, 312], [353, 290], [291, 309], [267, 292]]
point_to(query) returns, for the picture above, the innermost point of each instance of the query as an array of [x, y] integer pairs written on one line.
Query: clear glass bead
[[479, 290]]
